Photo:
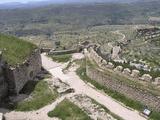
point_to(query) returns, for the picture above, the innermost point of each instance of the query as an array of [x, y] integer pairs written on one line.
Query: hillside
[[15, 50], [46, 20]]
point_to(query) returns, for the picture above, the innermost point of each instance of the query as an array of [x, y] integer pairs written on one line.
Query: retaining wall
[[133, 93]]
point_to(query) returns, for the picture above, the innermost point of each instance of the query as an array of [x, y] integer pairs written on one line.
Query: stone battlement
[[92, 54], [128, 90]]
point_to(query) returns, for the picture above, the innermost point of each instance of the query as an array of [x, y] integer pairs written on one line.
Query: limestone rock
[[146, 77], [135, 73], [127, 71]]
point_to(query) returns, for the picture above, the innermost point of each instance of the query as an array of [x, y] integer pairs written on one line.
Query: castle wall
[[132, 92], [17, 77], [129, 91]]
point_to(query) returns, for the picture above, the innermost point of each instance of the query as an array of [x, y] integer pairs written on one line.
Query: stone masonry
[[18, 76], [130, 91], [123, 88]]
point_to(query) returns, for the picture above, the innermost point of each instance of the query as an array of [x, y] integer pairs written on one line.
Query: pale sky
[[22, 1]]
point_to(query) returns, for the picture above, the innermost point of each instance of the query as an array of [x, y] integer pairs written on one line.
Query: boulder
[[127, 71], [146, 77], [135, 73]]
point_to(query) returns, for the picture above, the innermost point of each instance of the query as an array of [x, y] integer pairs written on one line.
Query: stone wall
[[3, 84], [135, 74], [18, 76], [123, 88]]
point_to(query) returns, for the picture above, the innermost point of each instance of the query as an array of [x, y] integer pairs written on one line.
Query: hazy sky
[[23, 1]]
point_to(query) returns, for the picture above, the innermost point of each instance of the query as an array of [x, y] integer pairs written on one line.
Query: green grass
[[119, 97], [61, 58], [15, 50], [66, 110], [41, 96]]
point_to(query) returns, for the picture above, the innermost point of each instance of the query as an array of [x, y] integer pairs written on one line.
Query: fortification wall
[[70, 51], [3, 84], [129, 91], [121, 87], [18, 76]]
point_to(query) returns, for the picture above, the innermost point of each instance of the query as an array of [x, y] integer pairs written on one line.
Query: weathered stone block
[[135, 73], [157, 81], [110, 65], [118, 69], [17, 77], [146, 77], [127, 71]]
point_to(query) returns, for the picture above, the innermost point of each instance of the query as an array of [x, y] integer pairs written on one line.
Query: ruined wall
[[17, 77], [129, 91], [121, 87], [3, 84]]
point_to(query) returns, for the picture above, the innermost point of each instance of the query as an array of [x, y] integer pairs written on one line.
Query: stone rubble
[[95, 111]]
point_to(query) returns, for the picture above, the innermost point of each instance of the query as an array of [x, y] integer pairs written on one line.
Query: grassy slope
[[41, 96], [120, 97], [68, 111], [16, 50]]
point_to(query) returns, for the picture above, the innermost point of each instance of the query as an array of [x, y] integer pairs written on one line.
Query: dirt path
[[82, 88], [121, 34]]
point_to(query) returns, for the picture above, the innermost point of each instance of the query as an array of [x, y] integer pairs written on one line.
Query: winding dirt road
[[81, 87]]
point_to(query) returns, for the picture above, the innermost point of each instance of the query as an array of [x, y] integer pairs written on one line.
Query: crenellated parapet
[[92, 54], [119, 79]]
